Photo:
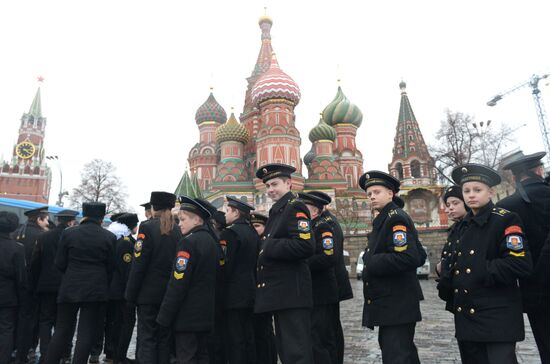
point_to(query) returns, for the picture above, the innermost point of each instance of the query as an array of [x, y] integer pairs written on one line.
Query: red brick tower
[[26, 176], [203, 158], [276, 94]]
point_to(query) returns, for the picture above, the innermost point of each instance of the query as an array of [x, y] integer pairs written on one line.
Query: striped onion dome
[[211, 110], [342, 111], [322, 131], [275, 84], [232, 131]]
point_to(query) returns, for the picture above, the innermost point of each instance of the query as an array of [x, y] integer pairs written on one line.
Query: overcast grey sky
[[123, 78]]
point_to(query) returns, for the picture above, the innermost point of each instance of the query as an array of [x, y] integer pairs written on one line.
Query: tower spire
[[36, 106]]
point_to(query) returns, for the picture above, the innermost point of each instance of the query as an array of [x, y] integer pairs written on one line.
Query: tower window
[[399, 170], [415, 169]]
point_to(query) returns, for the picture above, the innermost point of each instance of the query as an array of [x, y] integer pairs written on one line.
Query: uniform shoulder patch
[[513, 229], [514, 242], [399, 238], [303, 225], [500, 211], [137, 247], [399, 228], [127, 258], [301, 215], [141, 236], [305, 236], [326, 233], [328, 246], [392, 213], [182, 260]]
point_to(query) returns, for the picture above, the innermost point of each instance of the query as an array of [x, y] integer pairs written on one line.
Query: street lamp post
[[481, 132], [61, 192]]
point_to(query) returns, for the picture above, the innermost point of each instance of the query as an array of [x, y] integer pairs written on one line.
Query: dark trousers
[[397, 344], [540, 325], [27, 327], [323, 339], [154, 340], [46, 320], [239, 336], [126, 325], [487, 353], [102, 336], [216, 347], [338, 334], [88, 319], [8, 320], [266, 347], [293, 335], [192, 347], [113, 321]]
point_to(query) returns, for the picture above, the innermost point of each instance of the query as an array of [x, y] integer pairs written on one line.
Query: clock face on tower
[[25, 150]]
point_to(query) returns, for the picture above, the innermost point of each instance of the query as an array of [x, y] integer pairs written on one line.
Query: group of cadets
[[240, 287]]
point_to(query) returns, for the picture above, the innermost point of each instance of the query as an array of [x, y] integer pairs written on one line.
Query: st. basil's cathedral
[[230, 149]]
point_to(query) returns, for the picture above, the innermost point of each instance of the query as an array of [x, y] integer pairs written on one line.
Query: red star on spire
[[40, 79]]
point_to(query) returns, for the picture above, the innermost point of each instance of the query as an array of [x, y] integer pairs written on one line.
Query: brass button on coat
[[459, 309], [468, 270], [472, 252], [472, 311]]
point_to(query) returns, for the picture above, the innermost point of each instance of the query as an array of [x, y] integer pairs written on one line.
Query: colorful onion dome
[[402, 85], [232, 131], [265, 19], [322, 131], [275, 84], [342, 111], [211, 110], [309, 157]]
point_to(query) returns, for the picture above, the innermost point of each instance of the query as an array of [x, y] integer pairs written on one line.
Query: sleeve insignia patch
[[126, 238], [400, 249], [513, 229], [141, 236], [399, 238], [181, 261], [303, 225], [514, 242], [399, 228], [305, 236], [127, 258], [328, 243], [223, 243], [326, 233], [178, 276], [137, 248], [301, 214]]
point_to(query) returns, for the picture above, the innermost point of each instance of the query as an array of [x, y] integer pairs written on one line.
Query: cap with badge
[[321, 195], [114, 217], [128, 219], [94, 210], [194, 206], [217, 215], [525, 163], [67, 213], [311, 199], [274, 170], [473, 172], [8, 222], [162, 200], [453, 191], [257, 218], [37, 211], [379, 178], [238, 204]]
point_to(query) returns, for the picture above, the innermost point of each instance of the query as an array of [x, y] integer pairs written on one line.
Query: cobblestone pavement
[[434, 335]]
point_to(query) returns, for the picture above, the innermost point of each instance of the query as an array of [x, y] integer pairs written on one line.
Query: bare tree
[[99, 183], [348, 215], [461, 140]]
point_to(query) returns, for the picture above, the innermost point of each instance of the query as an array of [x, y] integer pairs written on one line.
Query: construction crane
[[533, 82]]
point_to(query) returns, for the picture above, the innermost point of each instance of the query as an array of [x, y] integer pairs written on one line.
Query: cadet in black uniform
[[242, 243], [325, 288], [391, 289], [151, 269], [456, 210], [27, 325], [188, 305], [345, 291], [46, 277], [85, 256], [13, 282], [284, 279], [122, 316], [266, 347], [215, 224], [491, 255], [531, 202]]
